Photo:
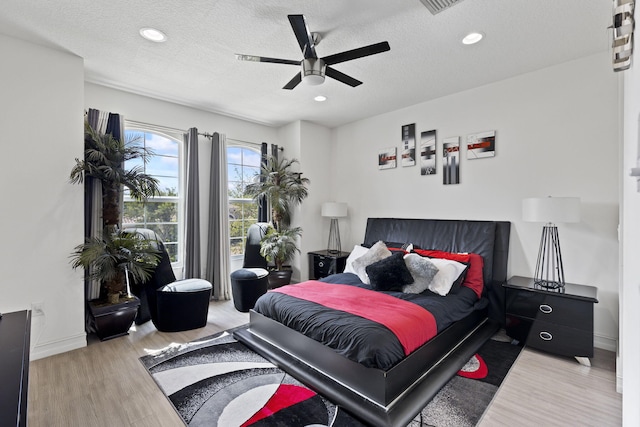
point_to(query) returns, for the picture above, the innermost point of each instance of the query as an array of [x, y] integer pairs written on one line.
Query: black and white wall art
[[428, 152], [451, 160], [409, 145]]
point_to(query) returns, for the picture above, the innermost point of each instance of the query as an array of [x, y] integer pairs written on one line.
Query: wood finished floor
[[104, 384]]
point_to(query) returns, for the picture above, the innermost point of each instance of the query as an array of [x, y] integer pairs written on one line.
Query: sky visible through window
[[159, 213], [163, 165], [243, 164]]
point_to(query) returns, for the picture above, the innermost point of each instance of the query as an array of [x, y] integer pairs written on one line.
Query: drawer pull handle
[[546, 309], [546, 336], [321, 264]]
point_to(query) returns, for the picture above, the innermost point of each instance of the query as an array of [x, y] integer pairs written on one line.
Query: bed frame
[[395, 396]]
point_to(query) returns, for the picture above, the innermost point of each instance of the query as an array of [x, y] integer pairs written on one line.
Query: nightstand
[[559, 321], [323, 263]]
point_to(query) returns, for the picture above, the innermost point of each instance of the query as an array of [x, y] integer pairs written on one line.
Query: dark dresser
[[15, 332], [559, 321]]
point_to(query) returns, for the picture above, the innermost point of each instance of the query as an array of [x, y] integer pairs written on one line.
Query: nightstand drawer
[[546, 307], [323, 265], [551, 337]]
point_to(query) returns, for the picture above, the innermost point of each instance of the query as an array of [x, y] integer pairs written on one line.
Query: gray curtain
[[218, 251], [192, 208], [263, 209]]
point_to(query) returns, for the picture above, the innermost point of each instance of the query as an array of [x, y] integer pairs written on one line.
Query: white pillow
[[448, 272], [377, 252], [423, 272], [356, 253]]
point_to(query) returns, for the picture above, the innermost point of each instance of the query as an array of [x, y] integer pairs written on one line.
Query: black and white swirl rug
[[217, 381]]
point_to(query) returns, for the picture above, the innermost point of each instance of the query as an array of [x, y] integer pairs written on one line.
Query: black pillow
[[389, 274]]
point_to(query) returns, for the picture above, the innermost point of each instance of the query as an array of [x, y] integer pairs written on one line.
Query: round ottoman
[[247, 285]]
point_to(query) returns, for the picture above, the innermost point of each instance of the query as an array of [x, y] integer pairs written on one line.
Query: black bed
[[393, 396]]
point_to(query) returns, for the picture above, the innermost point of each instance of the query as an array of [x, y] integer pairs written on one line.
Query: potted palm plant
[[114, 255], [283, 189]]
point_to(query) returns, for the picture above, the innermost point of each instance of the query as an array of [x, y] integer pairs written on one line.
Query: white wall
[[152, 111], [630, 246], [310, 144], [315, 157], [557, 134], [42, 214]]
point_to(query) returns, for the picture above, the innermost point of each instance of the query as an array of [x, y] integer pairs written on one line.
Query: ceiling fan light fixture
[[472, 38], [153, 34], [313, 70], [313, 79]]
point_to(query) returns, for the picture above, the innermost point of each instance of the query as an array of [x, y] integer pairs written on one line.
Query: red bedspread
[[412, 325]]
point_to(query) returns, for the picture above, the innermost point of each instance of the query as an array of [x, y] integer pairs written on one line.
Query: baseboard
[[605, 343], [56, 347]]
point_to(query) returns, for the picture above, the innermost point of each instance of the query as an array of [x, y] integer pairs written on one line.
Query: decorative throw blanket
[[411, 324]]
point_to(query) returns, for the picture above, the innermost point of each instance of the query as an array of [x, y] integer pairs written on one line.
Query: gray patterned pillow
[[377, 252], [423, 272]]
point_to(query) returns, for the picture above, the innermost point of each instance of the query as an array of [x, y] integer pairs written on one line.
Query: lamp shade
[[334, 209], [551, 209]]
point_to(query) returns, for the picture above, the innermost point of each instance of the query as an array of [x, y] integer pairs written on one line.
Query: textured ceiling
[[197, 67]]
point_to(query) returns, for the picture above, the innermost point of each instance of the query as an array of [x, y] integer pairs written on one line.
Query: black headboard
[[487, 238]]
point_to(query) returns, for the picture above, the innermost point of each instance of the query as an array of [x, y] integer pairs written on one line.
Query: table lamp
[[334, 210], [550, 210]]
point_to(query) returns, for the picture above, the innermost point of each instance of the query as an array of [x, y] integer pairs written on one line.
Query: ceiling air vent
[[437, 6]]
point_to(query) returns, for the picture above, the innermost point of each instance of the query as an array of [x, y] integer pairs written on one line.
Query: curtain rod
[[251, 143], [153, 127]]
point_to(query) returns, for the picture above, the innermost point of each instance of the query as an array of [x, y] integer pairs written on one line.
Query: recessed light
[[472, 38], [320, 98], [153, 35]]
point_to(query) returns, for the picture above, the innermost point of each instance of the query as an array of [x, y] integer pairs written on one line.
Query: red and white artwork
[[387, 158], [481, 145]]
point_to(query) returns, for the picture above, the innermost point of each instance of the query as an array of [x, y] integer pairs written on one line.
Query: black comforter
[[359, 339]]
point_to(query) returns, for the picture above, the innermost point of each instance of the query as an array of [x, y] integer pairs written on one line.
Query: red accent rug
[[217, 381]]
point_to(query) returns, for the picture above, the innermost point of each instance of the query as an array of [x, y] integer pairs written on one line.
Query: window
[[160, 213], [243, 164]]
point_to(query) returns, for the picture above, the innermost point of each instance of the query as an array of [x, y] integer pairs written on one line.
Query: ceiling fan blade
[[341, 77], [254, 58], [295, 81], [300, 29], [357, 53]]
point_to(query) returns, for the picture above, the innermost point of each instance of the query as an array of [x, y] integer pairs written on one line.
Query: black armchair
[[172, 305], [251, 281]]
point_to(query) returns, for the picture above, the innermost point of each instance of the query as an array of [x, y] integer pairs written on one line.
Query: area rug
[[218, 381]]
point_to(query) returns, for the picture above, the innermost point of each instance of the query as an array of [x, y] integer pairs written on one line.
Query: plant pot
[[113, 320], [279, 278]]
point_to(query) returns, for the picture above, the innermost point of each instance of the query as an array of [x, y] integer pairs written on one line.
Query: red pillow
[[474, 280]]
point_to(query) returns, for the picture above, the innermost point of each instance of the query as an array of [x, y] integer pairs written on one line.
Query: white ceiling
[[197, 67]]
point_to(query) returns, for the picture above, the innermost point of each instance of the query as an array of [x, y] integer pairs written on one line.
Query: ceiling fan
[[315, 69]]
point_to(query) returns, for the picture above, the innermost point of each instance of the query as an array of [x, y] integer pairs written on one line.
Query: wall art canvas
[[409, 145], [481, 145], [451, 160], [428, 152], [387, 158]]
